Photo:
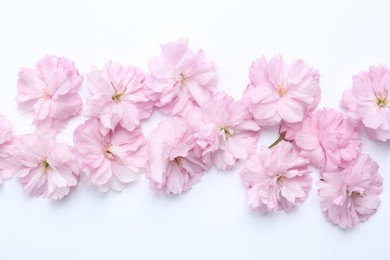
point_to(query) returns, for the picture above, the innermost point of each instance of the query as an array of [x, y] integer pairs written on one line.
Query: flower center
[[381, 98], [177, 161], [227, 132], [281, 180], [355, 194], [45, 94], [45, 166], [117, 95], [107, 153], [282, 90], [382, 102], [183, 78]]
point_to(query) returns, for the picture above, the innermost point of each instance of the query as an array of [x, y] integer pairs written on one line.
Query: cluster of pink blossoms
[[207, 128], [278, 177]]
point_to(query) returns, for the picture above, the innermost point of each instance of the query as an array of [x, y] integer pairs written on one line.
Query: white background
[[212, 221]]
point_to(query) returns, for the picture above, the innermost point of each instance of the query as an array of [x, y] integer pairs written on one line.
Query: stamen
[[282, 90], [355, 194], [46, 94], [108, 154], [227, 132], [382, 102], [177, 160], [183, 78], [281, 180], [45, 166], [117, 95]]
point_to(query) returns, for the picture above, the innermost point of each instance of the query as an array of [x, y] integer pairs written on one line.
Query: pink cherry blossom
[[225, 130], [289, 130], [351, 195], [173, 165], [6, 148], [44, 167], [281, 92], [49, 93], [368, 101], [109, 159], [277, 178], [328, 140], [181, 79], [118, 96]]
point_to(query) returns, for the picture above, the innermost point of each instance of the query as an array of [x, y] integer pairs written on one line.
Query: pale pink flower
[[181, 79], [173, 165], [225, 130], [109, 159], [368, 101], [6, 149], [49, 93], [118, 96], [289, 130], [281, 92], [44, 167], [351, 195], [328, 140], [276, 178]]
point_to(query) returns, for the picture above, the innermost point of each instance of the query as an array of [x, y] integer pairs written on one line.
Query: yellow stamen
[[382, 102], [117, 95], [108, 154], [226, 131], [282, 91], [183, 78], [45, 166]]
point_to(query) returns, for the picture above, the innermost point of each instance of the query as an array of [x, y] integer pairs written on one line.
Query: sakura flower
[[277, 178], [109, 159], [281, 92], [351, 195], [49, 93], [368, 101], [289, 130], [181, 79], [173, 165], [328, 140], [44, 167], [6, 148], [225, 130], [118, 96]]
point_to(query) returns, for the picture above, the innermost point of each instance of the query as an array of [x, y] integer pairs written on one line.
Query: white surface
[[212, 221]]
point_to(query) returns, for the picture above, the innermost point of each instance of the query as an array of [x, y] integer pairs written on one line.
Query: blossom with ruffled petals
[[181, 79], [6, 148], [173, 165], [328, 140], [50, 93], [109, 159], [281, 92], [45, 168], [225, 130], [351, 195], [368, 101], [289, 130], [118, 96], [277, 178]]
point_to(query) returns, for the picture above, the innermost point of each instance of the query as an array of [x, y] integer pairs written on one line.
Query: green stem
[[281, 138]]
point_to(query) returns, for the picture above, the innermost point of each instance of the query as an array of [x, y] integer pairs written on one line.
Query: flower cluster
[[207, 128], [278, 177]]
